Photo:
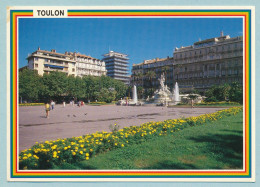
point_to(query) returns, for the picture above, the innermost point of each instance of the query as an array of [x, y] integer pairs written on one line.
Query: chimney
[[39, 49], [53, 50], [222, 33], [66, 53]]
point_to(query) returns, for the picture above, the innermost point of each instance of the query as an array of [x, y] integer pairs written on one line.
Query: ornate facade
[[209, 62], [213, 61]]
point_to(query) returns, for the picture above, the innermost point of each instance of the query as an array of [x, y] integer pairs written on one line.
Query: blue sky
[[140, 38]]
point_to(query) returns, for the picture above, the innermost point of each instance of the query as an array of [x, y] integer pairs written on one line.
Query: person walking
[[52, 104], [192, 103], [47, 109]]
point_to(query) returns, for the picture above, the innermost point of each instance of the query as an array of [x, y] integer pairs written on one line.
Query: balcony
[[56, 64]]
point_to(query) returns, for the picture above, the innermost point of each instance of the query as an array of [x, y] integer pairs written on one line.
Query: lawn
[[216, 145]]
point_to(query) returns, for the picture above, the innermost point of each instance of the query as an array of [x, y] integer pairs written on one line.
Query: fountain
[[176, 93], [162, 95], [134, 95]]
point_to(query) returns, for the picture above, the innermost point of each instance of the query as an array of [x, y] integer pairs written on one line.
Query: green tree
[[236, 93], [106, 95], [30, 85], [140, 91], [76, 87], [140, 77], [225, 89], [91, 87], [192, 96], [120, 89], [54, 86], [150, 75]]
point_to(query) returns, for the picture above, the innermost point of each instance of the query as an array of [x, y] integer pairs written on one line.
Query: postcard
[[124, 93]]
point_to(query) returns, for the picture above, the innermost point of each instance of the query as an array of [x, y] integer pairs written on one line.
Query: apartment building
[[213, 61], [74, 64]]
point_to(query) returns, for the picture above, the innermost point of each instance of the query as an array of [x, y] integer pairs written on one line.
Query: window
[[46, 60], [35, 59], [36, 65], [73, 69]]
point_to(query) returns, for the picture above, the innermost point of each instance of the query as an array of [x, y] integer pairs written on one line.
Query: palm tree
[[150, 75], [140, 76]]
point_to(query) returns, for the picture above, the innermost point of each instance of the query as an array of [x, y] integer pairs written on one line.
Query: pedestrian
[[47, 109], [64, 104], [52, 104], [192, 103]]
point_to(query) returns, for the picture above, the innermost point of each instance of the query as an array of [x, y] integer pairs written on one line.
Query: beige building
[[74, 64], [209, 62], [213, 61]]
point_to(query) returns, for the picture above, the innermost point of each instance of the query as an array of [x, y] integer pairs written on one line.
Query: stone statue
[[162, 79]]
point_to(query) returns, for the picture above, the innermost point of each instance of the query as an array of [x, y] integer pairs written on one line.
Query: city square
[[73, 121]]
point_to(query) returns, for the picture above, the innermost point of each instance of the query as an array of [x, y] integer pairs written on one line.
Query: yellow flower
[[81, 152], [87, 154], [73, 153], [122, 145], [87, 158]]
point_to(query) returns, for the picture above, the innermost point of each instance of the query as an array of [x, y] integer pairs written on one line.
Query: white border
[[34, 8]]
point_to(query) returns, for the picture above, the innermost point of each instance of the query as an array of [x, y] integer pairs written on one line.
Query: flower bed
[[218, 103], [97, 103], [50, 153], [31, 104]]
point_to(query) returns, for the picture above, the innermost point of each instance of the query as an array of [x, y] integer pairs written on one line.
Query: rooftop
[[153, 61], [113, 53], [209, 42]]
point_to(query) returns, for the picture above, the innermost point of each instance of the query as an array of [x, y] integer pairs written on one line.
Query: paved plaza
[[73, 121]]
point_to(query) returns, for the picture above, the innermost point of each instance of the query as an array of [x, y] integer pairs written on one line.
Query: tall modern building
[[74, 64], [117, 66]]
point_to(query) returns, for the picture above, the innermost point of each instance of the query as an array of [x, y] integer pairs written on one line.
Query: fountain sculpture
[[163, 94], [134, 101]]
